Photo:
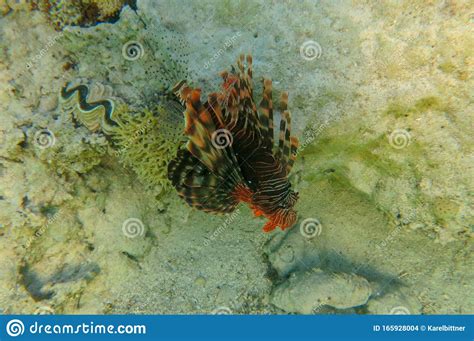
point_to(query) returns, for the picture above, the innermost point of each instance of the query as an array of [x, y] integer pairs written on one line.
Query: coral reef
[[146, 142], [80, 12]]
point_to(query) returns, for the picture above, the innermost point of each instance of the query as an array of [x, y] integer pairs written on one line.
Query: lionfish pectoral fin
[[201, 124], [257, 213], [269, 226], [199, 187]]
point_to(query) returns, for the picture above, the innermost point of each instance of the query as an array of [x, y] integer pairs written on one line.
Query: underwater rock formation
[[64, 13], [307, 292]]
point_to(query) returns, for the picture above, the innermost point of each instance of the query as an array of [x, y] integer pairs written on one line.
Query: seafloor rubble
[[380, 98]]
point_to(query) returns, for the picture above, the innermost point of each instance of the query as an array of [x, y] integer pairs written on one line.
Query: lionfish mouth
[[230, 156]]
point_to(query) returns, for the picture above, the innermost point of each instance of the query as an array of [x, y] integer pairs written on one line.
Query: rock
[[397, 303], [306, 292], [48, 103], [292, 252]]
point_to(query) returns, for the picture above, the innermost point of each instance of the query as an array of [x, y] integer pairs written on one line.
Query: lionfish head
[[282, 217]]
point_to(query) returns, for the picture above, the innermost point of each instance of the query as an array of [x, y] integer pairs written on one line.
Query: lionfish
[[230, 156]]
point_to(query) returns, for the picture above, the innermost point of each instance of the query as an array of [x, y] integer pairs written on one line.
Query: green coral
[[146, 142], [69, 150]]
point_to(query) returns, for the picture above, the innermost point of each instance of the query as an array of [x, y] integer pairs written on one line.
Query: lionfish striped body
[[215, 177]]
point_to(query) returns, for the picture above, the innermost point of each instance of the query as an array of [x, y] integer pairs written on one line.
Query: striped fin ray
[[283, 128], [247, 104], [293, 152], [287, 144], [266, 114], [241, 114], [200, 127], [246, 84], [198, 186]]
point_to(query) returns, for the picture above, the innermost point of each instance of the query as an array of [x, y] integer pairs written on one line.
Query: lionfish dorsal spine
[[200, 127], [266, 114]]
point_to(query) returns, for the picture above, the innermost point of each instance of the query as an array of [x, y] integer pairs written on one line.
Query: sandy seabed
[[381, 98]]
